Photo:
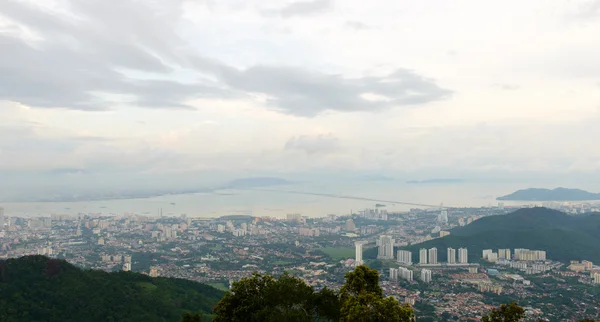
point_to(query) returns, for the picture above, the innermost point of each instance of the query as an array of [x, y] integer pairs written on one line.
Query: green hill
[[558, 194], [36, 288], [563, 237]]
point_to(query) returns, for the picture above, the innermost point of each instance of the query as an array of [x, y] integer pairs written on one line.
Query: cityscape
[[452, 282]]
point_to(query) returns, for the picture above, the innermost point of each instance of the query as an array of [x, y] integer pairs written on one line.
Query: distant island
[[436, 180], [558, 194]]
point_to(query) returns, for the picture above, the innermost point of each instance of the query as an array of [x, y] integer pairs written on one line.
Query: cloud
[[357, 25], [306, 93], [588, 10], [319, 144], [82, 62], [305, 8], [506, 86]]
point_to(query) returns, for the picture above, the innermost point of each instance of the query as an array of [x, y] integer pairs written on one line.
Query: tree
[[189, 317], [363, 301], [506, 313]]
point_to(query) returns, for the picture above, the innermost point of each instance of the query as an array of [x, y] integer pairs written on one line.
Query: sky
[[236, 88]]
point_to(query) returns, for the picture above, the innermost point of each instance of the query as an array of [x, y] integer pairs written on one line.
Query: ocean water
[[279, 201]]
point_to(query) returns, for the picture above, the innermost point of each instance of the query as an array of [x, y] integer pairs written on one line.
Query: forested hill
[[558, 194], [37, 288], [563, 237]]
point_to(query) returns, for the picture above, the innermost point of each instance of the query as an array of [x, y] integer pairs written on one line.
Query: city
[[437, 282]]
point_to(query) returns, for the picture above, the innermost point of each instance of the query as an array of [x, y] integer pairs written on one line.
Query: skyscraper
[[504, 253], [423, 256], [405, 273], [463, 256], [404, 257], [426, 275], [359, 252], [386, 247], [1, 218], [451, 255], [433, 258], [393, 274], [443, 217]]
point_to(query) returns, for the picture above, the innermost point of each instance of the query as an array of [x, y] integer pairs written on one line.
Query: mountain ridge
[[557, 194]]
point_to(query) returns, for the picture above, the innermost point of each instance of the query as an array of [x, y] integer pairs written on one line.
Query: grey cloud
[[81, 59], [305, 93], [357, 25], [304, 8], [588, 10], [320, 144]]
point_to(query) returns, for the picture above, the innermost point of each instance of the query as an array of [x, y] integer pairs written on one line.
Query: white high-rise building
[[529, 255], [359, 253], [423, 256], [426, 275], [451, 255], [405, 273], [443, 217], [486, 253], [393, 274], [433, 256], [386, 247], [463, 256], [1, 218], [504, 253], [404, 257]]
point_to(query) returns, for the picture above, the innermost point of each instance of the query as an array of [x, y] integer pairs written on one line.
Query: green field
[[337, 253]]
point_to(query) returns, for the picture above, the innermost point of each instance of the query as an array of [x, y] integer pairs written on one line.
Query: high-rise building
[[1, 218], [486, 253], [127, 267], [404, 257], [423, 256], [359, 253], [426, 275], [463, 256], [393, 274], [504, 253], [523, 254], [587, 264], [595, 277], [386, 247], [349, 225], [451, 255], [444, 233], [443, 217], [405, 273], [433, 256]]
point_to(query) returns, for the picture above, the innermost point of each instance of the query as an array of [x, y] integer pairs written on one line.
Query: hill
[[563, 237], [558, 194], [37, 288]]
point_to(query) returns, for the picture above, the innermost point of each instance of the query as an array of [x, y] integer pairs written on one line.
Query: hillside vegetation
[[36, 288], [563, 237]]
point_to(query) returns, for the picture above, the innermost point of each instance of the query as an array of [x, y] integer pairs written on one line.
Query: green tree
[[189, 317], [506, 313], [363, 301]]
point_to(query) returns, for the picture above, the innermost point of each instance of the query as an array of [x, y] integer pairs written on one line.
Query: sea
[[308, 199]]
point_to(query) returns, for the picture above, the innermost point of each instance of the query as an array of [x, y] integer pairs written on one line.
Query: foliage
[[36, 288], [288, 298], [362, 299], [506, 313], [188, 317]]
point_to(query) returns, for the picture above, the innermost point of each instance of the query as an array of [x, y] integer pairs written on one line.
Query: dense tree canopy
[[288, 298], [506, 313]]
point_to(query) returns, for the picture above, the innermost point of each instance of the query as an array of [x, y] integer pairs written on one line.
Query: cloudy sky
[[422, 88]]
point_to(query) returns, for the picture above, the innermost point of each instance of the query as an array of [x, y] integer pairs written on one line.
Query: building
[[1, 218], [393, 274], [486, 253], [433, 256], [359, 253], [504, 254], [473, 269], [349, 225], [423, 256], [405, 273], [426, 276], [443, 217], [523, 254], [444, 233], [294, 217], [127, 267], [386, 247], [404, 257], [451, 255], [463, 256], [587, 264], [461, 221], [595, 277]]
